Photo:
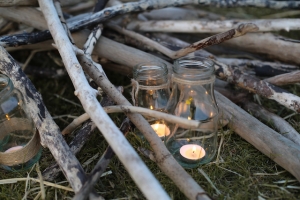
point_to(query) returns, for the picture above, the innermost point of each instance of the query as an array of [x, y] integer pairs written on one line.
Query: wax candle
[[192, 151], [161, 129], [12, 149]]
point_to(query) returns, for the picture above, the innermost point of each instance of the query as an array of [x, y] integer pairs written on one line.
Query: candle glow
[[192, 151], [161, 129]]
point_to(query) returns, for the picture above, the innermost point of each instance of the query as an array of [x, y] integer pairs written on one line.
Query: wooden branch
[[5, 3], [197, 26], [215, 39], [82, 136], [253, 84], [101, 165], [175, 13], [280, 124], [182, 122], [261, 68], [87, 96], [284, 79], [275, 47], [189, 187], [49, 132], [280, 149], [31, 16]]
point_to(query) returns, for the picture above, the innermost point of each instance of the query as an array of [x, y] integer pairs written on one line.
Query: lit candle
[[161, 129], [192, 151], [12, 149]]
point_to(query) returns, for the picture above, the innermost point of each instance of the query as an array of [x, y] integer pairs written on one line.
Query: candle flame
[[189, 118], [206, 92], [211, 114], [151, 107], [7, 117], [194, 149]]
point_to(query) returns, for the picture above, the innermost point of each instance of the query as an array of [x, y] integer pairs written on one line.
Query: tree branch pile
[[128, 41]]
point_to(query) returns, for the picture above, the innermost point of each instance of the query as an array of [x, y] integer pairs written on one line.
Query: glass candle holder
[[20, 146], [193, 98], [151, 90]]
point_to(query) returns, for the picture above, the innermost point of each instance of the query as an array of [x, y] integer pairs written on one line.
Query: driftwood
[[49, 132], [87, 96], [280, 149], [82, 136], [185, 26], [275, 47], [128, 57]]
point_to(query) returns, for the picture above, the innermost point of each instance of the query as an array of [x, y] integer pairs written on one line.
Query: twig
[[193, 26], [182, 122], [164, 159], [88, 99], [215, 39], [41, 181], [49, 131], [101, 165], [270, 45]]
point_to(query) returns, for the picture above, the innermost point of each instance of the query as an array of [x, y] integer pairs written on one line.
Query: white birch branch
[[191, 26], [135, 166]]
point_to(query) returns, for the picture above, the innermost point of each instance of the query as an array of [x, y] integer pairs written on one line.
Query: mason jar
[[20, 145], [193, 98], [151, 90]]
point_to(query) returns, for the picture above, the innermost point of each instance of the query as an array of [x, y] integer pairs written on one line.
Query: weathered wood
[[49, 132], [127, 155], [5, 3], [197, 26], [176, 173], [275, 47], [278, 148]]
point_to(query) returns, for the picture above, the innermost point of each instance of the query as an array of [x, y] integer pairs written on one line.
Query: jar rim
[[8, 87], [150, 70], [191, 66]]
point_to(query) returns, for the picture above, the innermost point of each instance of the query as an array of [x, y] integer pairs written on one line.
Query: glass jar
[[19, 142], [193, 98], [151, 90]]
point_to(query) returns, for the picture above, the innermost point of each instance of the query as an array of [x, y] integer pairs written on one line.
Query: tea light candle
[[161, 129], [12, 149], [192, 151]]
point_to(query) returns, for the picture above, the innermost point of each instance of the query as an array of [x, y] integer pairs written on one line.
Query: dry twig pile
[[84, 50]]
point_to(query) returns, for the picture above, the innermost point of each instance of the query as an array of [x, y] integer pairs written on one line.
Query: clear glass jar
[[151, 90], [193, 98], [19, 143]]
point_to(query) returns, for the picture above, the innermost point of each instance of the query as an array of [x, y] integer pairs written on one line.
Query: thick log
[[278, 148]]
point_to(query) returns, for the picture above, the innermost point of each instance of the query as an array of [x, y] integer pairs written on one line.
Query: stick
[[280, 149], [242, 29], [49, 131], [253, 84], [182, 122], [197, 26], [261, 68], [284, 79], [87, 96], [101, 165], [5, 3], [189, 187], [270, 45]]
